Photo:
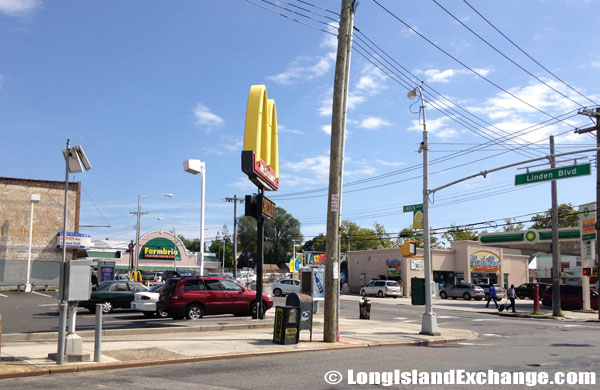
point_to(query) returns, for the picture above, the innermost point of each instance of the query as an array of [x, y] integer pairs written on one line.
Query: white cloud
[[326, 129], [19, 7], [389, 163], [311, 170], [371, 81], [434, 125], [243, 184], [595, 64], [204, 117], [283, 129], [358, 168], [228, 146], [443, 76], [354, 100], [299, 70], [373, 123]]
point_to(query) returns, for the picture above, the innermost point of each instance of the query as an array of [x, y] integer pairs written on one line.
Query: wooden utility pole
[[335, 173], [595, 128], [235, 201], [555, 245]]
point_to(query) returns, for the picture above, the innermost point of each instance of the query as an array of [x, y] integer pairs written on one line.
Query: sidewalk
[[24, 355], [524, 307]]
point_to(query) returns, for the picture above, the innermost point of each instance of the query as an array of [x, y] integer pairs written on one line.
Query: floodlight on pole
[[174, 241], [429, 322], [195, 167], [137, 229]]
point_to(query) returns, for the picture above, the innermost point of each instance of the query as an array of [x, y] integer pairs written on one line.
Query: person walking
[[491, 295], [511, 294]]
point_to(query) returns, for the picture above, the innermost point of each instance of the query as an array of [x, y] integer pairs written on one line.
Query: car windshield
[[186, 273], [170, 285], [156, 288], [392, 284]]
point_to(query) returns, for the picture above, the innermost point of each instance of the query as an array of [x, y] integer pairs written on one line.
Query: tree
[[316, 244], [280, 236], [457, 234], [408, 233], [567, 217], [357, 238], [383, 236], [221, 243], [511, 226], [192, 246]]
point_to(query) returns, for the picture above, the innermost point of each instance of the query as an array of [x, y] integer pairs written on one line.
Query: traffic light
[[408, 248], [587, 271]]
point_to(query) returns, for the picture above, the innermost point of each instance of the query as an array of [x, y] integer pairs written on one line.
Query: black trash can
[[365, 309], [286, 326]]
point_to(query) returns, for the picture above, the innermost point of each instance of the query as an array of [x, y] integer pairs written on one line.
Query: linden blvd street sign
[[553, 174]]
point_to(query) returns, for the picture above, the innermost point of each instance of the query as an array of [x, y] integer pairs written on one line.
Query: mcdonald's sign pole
[[260, 161], [332, 285]]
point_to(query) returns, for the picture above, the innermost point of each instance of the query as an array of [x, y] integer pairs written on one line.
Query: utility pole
[[555, 245], [335, 172], [136, 258], [595, 128], [235, 201]]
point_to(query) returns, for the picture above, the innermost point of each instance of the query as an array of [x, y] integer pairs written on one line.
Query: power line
[[530, 57]]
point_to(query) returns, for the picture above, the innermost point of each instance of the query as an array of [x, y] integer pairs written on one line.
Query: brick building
[[15, 211]]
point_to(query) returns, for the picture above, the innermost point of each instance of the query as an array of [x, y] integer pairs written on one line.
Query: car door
[[235, 301], [216, 301], [379, 286], [369, 287], [119, 293]]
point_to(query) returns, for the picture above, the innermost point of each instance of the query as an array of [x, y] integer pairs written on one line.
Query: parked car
[[571, 297], [500, 293], [194, 297], [180, 273], [285, 286], [526, 290], [225, 276], [381, 288], [121, 276], [463, 290], [145, 301], [112, 295]]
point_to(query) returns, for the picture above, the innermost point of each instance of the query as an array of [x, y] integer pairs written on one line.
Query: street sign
[[553, 174], [412, 207]]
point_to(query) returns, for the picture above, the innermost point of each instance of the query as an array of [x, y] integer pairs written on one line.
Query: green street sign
[[412, 208], [553, 174]]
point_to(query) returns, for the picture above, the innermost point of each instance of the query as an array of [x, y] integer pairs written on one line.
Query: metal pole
[[98, 334], [235, 237], [62, 306], [175, 244], [260, 236], [203, 165], [335, 173], [137, 236], [597, 248], [27, 282], [429, 322], [555, 244]]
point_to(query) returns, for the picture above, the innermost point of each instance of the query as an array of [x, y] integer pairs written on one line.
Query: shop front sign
[[484, 261], [416, 264], [315, 257], [160, 249]]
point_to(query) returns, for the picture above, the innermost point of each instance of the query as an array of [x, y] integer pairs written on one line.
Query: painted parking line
[[49, 304], [483, 319], [399, 318], [44, 295], [2, 295], [445, 317]]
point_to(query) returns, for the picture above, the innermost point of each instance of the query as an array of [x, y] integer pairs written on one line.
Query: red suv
[[195, 297]]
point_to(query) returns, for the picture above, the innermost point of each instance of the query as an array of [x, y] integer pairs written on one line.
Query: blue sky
[[144, 85]]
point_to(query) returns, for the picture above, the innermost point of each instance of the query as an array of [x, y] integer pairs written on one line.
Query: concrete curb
[[45, 336], [194, 359]]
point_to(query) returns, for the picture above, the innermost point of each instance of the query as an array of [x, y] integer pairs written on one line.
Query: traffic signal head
[[587, 271], [408, 248]]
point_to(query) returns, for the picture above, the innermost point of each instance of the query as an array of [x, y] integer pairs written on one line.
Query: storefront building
[[160, 251], [465, 261]]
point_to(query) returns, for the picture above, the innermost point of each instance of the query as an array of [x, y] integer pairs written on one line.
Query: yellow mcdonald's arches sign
[[260, 156]]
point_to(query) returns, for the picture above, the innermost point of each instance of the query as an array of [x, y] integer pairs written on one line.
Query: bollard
[[98, 334], [536, 299]]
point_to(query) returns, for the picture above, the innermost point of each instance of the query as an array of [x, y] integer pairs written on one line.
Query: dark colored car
[[112, 295], [194, 297], [571, 298], [526, 290]]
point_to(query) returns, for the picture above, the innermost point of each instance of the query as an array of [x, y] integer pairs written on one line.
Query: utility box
[[305, 304], [286, 326], [77, 280], [417, 291]]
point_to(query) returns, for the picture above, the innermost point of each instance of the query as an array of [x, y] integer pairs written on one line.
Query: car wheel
[[363, 293], [521, 296], [253, 308], [161, 313], [148, 314], [277, 292], [194, 312], [443, 295], [380, 294], [107, 306], [467, 296]]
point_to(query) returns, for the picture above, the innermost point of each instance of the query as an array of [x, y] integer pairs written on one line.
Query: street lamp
[[429, 322], [33, 199], [195, 167], [174, 241], [137, 234]]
